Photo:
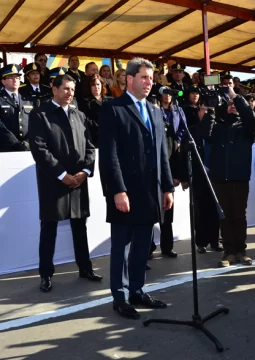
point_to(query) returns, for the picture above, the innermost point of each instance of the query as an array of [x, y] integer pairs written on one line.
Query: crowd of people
[[61, 115]]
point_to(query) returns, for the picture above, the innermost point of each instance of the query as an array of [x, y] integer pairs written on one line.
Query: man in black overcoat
[[137, 183], [64, 159]]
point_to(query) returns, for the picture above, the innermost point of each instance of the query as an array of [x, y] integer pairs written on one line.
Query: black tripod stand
[[197, 321]]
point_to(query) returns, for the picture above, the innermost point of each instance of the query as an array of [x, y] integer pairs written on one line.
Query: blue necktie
[[144, 115]]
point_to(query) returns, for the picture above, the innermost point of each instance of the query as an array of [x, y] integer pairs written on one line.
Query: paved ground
[[85, 327]]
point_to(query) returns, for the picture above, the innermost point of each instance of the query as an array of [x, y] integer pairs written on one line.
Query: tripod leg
[[215, 313], [168, 321], [216, 342]]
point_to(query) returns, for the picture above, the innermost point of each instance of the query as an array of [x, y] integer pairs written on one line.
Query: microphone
[[165, 90]]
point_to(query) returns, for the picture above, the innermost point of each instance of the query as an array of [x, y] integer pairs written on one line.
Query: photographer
[[230, 131]]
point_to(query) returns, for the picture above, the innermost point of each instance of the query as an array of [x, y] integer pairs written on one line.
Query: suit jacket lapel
[[132, 107], [151, 112]]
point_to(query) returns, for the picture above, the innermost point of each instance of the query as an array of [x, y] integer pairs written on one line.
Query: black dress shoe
[[169, 253], [201, 249], [45, 284], [90, 275], [147, 301], [148, 267], [126, 310]]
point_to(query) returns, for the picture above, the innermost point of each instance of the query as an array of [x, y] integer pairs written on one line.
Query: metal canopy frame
[[241, 15]]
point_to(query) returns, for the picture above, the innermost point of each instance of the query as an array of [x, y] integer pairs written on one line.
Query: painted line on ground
[[28, 320]]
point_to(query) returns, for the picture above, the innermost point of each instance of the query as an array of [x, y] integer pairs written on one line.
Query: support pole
[[112, 65], [206, 39], [4, 57]]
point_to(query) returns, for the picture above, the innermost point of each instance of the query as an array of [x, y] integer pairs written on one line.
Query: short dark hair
[[134, 65], [249, 97], [38, 55], [90, 63], [58, 81], [71, 56]]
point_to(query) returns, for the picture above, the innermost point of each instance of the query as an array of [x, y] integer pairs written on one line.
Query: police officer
[[178, 77], [14, 108], [32, 89]]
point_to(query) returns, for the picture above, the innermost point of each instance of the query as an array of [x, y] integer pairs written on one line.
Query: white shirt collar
[[64, 108], [10, 93], [143, 101], [35, 87]]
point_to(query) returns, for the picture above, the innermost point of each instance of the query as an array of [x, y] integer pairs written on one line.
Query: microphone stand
[[197, 321]]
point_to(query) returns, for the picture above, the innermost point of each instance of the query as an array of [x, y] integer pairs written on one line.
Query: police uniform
[[37, 94], [180, 87], [14, 113]]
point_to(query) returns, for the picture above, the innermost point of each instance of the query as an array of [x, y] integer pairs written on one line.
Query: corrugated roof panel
[[238, 55], [130, 21], [77, 21], [248, 4], [27, 19]]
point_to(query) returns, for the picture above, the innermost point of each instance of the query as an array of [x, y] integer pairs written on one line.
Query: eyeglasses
[[42, 60], [11, 77]]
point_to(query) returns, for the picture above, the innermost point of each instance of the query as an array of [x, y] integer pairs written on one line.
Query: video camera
[[212, 93]]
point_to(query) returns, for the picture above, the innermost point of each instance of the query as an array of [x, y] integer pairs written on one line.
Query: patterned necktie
[[144, 115]]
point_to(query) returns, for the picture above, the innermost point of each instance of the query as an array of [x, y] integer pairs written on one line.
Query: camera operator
[[230, 131], [206, 217]]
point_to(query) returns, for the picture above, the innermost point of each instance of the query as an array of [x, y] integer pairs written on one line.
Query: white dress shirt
[[61, 176]]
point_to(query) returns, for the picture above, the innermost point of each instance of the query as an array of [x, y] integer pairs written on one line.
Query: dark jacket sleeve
[[8, 141], [38, 144], [166, 175], [90, 154], [246, 114], [109, 165]]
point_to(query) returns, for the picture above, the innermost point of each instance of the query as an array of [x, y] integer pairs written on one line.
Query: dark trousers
[[166, 233], [233, 198], [47, 246], [206, 219], [130, 245]]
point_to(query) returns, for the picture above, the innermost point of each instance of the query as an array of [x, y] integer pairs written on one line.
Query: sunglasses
[[42, 60], [11, 77]]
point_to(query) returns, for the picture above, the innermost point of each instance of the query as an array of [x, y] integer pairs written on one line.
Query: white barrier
[[19, 219]]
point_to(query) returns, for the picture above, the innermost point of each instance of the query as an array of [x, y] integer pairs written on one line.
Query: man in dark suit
[[32, 89], [137, 183], [14, 108], [42, 59], [78, 75], [64, 159]]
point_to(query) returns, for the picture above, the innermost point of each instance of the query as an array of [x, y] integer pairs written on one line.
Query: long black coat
[[60, 144], [125, 161], [91, 107]]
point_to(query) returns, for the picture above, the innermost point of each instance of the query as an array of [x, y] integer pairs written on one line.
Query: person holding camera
[[230, 130]]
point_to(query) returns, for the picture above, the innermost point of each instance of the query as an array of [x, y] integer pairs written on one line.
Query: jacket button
[[20, 134], [20, 127]]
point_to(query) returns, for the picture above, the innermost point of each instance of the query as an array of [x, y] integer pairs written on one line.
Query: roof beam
[[11, 14], [74, 51], [58, 20], [48, 21], [119, 55], [199, 38], [157, 28], [95, 22], [214, 7], [231, 48], [246, 61]]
